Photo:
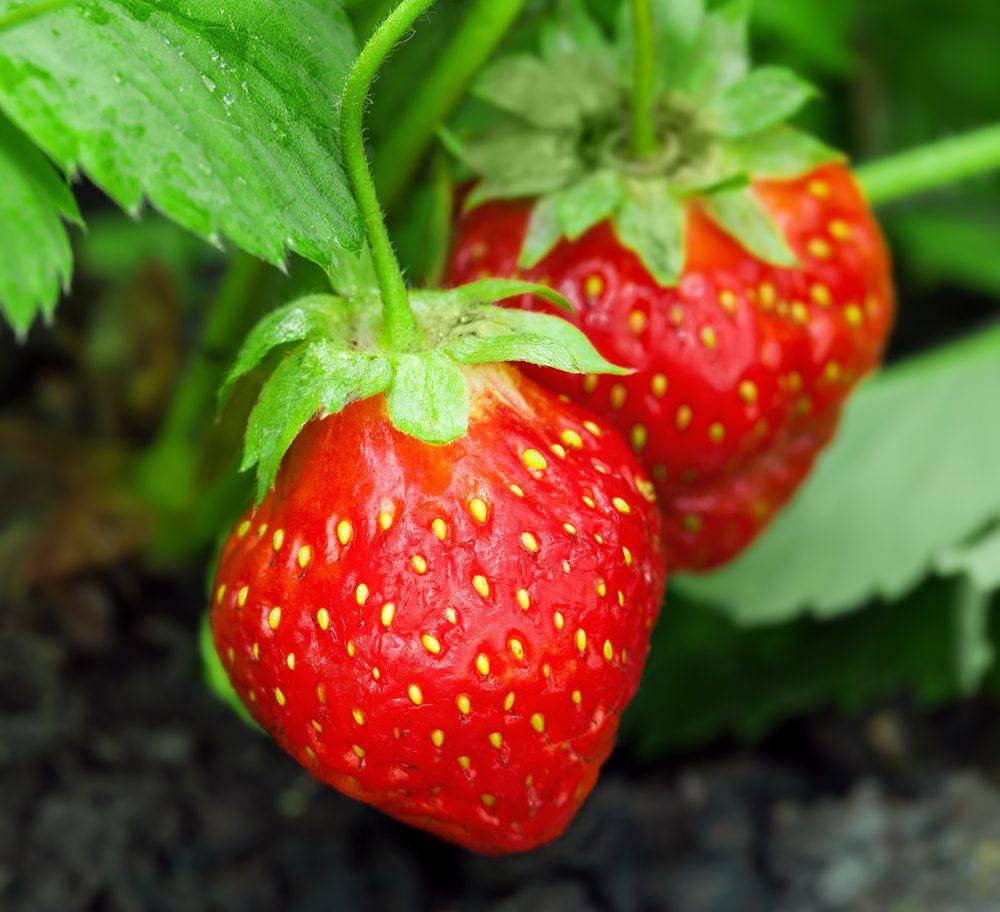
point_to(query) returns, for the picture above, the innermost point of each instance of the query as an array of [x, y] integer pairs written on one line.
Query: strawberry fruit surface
[[741, 367], [448, 633], [734, 265]]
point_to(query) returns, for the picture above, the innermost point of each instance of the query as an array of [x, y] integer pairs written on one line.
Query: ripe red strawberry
[[741, 369], [448, 633]]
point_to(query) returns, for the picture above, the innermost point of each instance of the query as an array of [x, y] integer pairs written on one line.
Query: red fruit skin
[[725, 456], [351, 680]]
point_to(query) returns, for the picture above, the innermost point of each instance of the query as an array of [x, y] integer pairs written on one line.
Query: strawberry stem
[[932, 166], [399, 332], [645, 143], [439, 93]]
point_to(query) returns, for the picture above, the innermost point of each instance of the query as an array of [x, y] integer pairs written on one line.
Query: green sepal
[[502, 334], [652, 223], [742, 215], [338, 360], [523, 86], [319, 375], [570, 213], [311, 316], [564, 144], [461, 300], [782, 152], [765, 98], [473, 330], [544, 232], [720, 55], [520, 163], [429, 398]]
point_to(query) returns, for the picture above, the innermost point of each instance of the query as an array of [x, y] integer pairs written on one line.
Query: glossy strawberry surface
[[448, 633], [741, 370]]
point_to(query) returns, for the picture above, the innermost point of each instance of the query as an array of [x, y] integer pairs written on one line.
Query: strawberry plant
[[641, 305]]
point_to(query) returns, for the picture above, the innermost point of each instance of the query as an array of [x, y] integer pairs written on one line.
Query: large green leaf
[[707, 676], [224, 116], [915, 472], [36, 260]]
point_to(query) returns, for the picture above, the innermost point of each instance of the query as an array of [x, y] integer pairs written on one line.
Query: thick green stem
[[399, 331], [645, 142], [32, 11], [929, 167], [439, 93]]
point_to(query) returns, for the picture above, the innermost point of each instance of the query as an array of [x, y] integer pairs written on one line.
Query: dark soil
[[126, 786]]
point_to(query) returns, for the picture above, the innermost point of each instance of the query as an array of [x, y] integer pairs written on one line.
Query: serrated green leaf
[[224, 116], [486, 291], [543, 234], [37, 260], [318, 375], [312, 317], [504, 334], [429, 398], [720, 55], [782, 152], [912, 475], [589, 202], [742, 215], [765, 98], [653, 225], [751, 680]]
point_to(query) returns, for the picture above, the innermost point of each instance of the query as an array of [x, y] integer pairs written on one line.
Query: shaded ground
[[125, 786]]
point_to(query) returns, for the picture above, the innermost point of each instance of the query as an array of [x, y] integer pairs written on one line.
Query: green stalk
[[645, 142], [932, 166], [26, 13], [399, 332], [173, 455], [227, 321], [439, 93]]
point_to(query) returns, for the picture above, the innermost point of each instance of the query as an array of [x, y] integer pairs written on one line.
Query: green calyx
[[566, 133], [334, 357]]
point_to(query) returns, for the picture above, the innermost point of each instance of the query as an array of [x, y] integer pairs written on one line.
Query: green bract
[[336, 359], [222, 115], [563, 135]]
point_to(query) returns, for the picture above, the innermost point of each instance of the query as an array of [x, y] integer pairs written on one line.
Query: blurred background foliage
[[879, 581]]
